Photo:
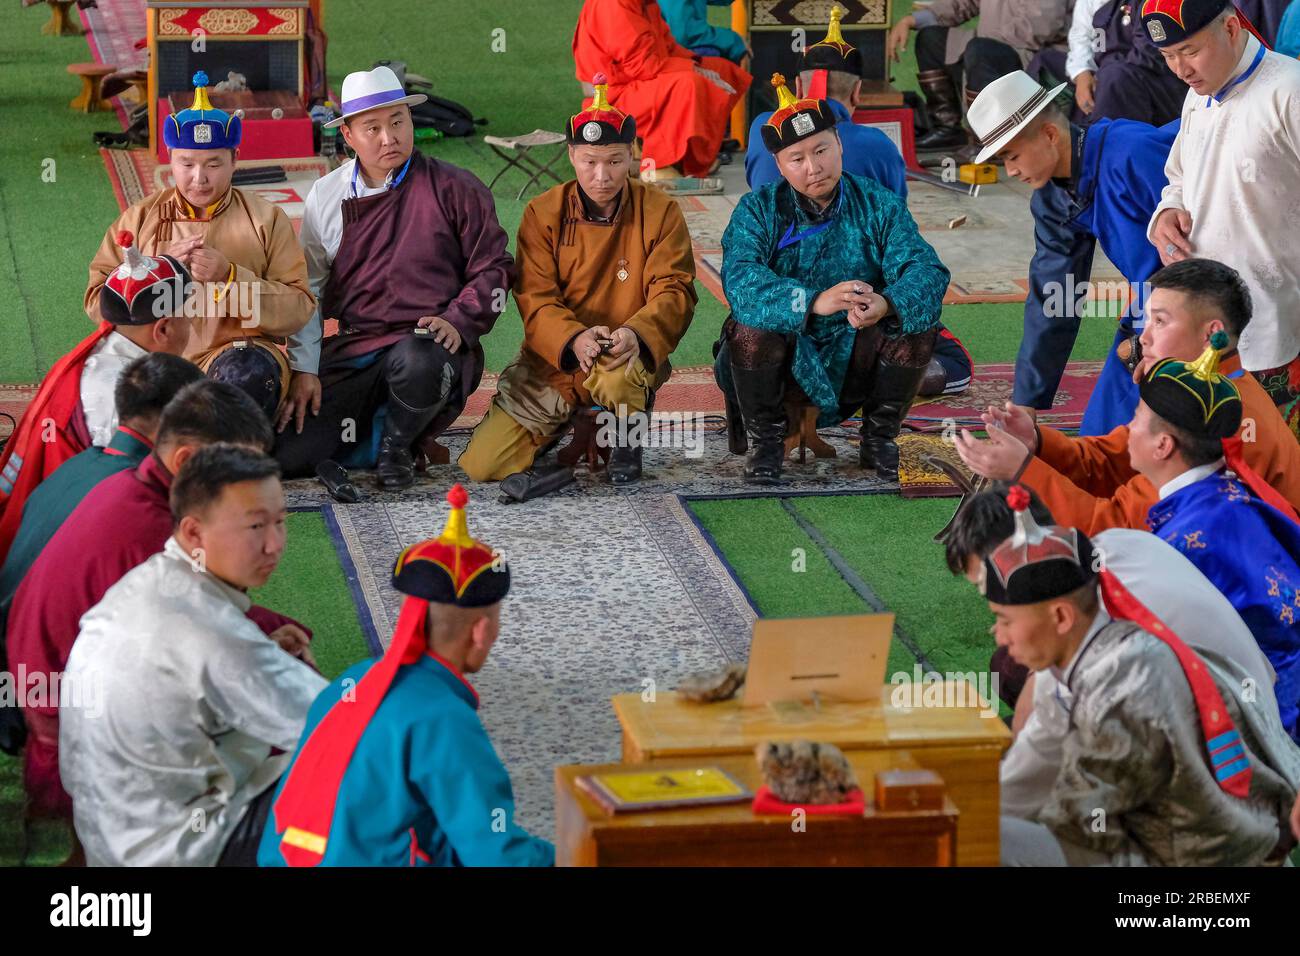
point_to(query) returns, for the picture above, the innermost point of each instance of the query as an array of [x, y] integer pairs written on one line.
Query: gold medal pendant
[[622, 270]]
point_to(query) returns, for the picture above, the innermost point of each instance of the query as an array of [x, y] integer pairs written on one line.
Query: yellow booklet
[[657, 789]]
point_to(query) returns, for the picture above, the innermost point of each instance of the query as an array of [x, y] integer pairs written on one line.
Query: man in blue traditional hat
[[832, 291], [250, 277]]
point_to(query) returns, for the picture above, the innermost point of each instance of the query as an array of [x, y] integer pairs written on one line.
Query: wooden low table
[[957, 743], [732, 835], [90, 100]]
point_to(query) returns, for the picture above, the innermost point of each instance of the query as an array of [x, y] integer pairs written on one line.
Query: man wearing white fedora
[[1092, 184], [407, 254]]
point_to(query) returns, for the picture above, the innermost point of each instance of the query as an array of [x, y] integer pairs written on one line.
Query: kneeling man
[[169, 755], [606, 288], [1166, 762], [240, 249], [832, 291], [395, 768]]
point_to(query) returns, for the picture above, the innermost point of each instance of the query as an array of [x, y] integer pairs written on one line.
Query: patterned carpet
[[612, 589]]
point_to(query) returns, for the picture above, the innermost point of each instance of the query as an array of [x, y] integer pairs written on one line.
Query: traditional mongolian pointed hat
[[830, 53], [142, 289], [600, 124], [1036, 563], [202, 126], [452, 568], [794, 120], [1172, 21], [1195, 396]]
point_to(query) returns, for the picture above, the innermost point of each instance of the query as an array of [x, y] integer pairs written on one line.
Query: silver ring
[[857, 290], [1169, 249]]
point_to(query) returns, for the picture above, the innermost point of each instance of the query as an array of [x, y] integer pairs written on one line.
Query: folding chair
[[515, 151]]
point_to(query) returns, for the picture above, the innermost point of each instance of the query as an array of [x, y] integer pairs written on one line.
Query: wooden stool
[[430, 451], [92, 74], [801, 432], [584, 443], [60, 24]]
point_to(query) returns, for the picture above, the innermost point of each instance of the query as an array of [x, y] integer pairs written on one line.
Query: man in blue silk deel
[[833, 292]]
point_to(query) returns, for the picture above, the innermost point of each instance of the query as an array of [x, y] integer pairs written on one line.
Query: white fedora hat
[[368, 90], [1004, 108]]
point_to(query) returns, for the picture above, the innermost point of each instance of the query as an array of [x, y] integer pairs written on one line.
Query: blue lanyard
[[1259, 55], [356, 164], [789, 239]]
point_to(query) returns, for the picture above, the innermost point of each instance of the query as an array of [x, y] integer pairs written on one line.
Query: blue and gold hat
[[202, 126]]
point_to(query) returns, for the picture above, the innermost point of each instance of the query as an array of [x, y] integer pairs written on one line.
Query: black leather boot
[[892, 391], [624, 464], [944, 107], [759, 392], [402, 428], [625, 459]]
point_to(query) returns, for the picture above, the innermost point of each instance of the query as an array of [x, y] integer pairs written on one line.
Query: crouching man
[[606, 288]]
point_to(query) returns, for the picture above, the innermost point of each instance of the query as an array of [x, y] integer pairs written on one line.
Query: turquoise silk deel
[[777, 260]]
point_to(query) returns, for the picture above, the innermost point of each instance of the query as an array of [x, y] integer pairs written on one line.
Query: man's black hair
[[207, 412], [984, 522], [1210, 283], [149, 383], [1196, 450], [210, 470]]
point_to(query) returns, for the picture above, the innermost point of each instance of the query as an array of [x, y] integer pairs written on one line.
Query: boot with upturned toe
[[892, 393], [760, 393]]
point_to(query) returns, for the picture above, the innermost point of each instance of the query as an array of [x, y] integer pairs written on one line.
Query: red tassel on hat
[[817, 85]]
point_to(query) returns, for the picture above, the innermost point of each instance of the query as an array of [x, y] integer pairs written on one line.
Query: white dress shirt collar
[[1190, 477]]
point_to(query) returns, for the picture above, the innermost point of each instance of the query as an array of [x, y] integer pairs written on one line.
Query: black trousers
[[982, 62], [413, 369], [749, 347]]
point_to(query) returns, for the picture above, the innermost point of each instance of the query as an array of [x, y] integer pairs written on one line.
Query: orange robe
[[1089, 484], [680, 115]]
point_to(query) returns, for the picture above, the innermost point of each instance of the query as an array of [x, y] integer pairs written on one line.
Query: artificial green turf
[[309, 586], [48, 229], [888, 541], [783, 570]]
